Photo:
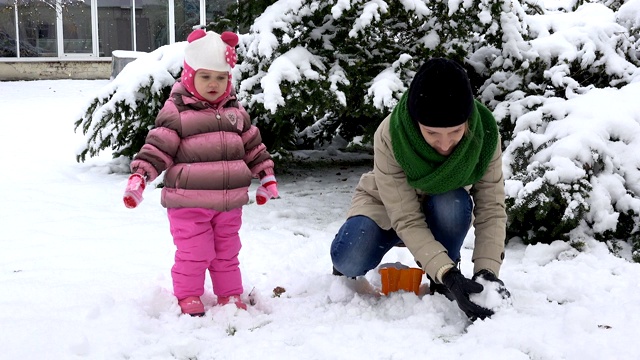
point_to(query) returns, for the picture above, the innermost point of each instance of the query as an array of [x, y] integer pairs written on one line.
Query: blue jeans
[[360, 243]]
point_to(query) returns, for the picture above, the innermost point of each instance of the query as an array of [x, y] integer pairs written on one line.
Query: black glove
[[461, 287], [489, 276]]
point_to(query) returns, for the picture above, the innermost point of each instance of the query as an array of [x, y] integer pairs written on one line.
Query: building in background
[[76, 31]]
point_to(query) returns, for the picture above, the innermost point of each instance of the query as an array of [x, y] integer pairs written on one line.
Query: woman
[[437, 168]]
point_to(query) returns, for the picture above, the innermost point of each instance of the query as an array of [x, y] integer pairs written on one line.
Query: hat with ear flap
[[211, 51], [208, 50], [440, 94]]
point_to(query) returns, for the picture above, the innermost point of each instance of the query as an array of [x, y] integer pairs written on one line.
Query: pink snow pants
[[205, 239]]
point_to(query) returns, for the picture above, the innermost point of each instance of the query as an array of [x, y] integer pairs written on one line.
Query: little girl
[[205, 141]]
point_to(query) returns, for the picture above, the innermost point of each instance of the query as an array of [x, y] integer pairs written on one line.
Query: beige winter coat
[[385, 196]]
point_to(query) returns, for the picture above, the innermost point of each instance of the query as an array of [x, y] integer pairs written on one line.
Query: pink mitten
[[262, 195], [268, 189], [133, 193]]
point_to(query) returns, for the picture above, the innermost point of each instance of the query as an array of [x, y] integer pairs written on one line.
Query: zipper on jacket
[[225, 165], [225, 185], [221, 132]]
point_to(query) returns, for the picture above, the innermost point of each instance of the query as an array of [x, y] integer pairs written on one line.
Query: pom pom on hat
[[195, 35], [229, 38], [208, 50], [440, 94]]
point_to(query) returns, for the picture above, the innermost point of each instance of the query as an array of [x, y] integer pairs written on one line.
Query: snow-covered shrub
[[309, 70], [572, 173], [564, 176], [561, 54], [120, 117], [312, 70]]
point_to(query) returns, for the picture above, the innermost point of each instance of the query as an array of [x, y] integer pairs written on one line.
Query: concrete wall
[[55, 70]]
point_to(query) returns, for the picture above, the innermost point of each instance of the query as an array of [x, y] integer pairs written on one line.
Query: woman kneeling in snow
[[437, 167]]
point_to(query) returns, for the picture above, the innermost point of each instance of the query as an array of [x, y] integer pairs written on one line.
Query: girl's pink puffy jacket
[[210, 153]]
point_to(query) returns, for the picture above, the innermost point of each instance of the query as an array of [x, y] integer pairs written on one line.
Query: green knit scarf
[[433, 173]]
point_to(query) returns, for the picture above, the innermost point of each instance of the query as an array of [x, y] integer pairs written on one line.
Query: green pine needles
[[123, 126], [311, 71]]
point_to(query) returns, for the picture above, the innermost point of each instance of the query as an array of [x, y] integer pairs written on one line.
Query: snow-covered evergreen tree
[[314, 69], [311, 70], [554, 173], [120, 117]]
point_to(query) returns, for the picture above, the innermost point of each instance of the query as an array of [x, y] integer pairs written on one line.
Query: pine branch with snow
[[555, 171], [120, 116], [313, 70], [310, 71]]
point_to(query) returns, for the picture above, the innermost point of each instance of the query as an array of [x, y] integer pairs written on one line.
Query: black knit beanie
[[440, 94]]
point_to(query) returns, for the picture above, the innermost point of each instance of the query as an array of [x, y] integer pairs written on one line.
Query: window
[[8, 45], [69, 28], [76, 27], [217, 8], [37, 28], [187, 15], [152, 19], [114, 26]]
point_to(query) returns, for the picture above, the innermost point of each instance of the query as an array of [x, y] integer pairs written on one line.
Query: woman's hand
[[461, 287]]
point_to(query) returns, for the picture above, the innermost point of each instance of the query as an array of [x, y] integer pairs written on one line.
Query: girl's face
[[443, 140], [211, 84]]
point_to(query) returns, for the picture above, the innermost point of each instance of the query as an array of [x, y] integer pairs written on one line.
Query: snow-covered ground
[[82, 277]]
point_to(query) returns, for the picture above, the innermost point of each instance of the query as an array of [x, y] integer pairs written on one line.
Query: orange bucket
[[393, 279]]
